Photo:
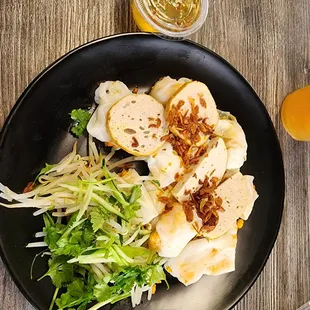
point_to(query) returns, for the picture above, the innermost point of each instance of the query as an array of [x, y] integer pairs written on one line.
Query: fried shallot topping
[[191, 128], [189, 154], [163, 199], [135, 90], [189, 125], [157, 124], [188, 208], [206, 204], [168, 202], [202, 101], [29, 187]]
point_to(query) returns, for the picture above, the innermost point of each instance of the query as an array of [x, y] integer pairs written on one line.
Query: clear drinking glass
[[171, 18]]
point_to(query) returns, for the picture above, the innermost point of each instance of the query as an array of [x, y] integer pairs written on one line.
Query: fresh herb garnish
[[89, 263], [81, 118]]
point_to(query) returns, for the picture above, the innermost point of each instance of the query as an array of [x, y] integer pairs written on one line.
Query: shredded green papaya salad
[[92, 232]]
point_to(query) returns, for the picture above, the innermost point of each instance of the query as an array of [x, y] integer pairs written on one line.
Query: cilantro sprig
[[81, 118]]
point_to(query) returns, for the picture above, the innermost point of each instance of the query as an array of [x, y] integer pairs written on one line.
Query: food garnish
[[98, 253], [81, 118], [187, 118]]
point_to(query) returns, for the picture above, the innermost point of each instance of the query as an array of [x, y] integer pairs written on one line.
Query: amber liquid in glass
[[180, 13]]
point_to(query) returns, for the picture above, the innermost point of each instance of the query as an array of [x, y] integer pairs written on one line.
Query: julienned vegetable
[[96, 253]]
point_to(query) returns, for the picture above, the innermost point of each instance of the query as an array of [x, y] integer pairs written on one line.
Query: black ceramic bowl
[[37, 132]]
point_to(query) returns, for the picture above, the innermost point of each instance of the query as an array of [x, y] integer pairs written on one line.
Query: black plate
[[37, 132]]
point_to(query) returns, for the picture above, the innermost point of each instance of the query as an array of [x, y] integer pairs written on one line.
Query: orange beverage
[[295, 114]]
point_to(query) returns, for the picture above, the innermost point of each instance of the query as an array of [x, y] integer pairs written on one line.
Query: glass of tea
[[172, 18]]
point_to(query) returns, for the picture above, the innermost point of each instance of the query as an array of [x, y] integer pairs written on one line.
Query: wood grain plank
[[267, 41]]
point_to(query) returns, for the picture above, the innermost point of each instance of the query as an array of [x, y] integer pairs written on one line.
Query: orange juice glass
[[295, 114]]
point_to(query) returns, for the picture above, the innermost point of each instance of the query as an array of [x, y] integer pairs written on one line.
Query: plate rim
[[41, 74]]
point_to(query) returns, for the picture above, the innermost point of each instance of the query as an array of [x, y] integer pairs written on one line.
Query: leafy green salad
[[93, 234]]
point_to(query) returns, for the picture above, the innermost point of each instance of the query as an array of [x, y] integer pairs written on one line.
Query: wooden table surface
[[268, 41]]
